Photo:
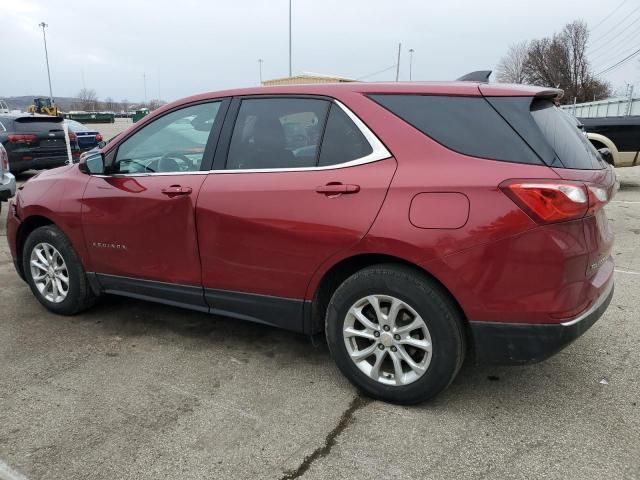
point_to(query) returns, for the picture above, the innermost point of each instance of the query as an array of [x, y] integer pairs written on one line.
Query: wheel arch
[[27, 226], [343, 269], [597, 139]]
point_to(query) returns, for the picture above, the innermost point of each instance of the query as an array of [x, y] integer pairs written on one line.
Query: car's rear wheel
[[395, 334], [54, 272]]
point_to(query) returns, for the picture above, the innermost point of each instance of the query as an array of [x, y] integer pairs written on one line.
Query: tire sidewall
[[54, 237], [434, 310]]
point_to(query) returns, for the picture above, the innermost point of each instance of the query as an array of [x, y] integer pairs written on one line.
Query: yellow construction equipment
[[45, 106]]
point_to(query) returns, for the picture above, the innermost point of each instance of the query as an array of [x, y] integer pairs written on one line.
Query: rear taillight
[[98, 137], [21, 138], [4, 158], [598, 198], [549, 201], [72, 137]]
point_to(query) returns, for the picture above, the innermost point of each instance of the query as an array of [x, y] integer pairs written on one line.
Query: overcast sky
[[189, 46]]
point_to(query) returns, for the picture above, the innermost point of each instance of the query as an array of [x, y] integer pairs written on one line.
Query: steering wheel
[[167, 162], [135, 162]]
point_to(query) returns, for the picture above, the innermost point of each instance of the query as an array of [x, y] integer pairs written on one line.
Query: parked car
[[88, 138], [35, 141], [7, 180], [621, 135], [423, 223]]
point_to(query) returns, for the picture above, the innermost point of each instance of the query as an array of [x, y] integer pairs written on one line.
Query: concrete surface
[[137, 390]]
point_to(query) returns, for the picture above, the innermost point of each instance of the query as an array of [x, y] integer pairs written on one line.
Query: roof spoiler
[[551, 93], [477, 76]]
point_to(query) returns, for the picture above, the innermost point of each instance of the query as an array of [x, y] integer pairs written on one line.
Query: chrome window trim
[[379, 152]]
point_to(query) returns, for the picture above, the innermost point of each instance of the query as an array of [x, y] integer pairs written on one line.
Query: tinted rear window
[[564, 137], [468, 125], [37, 125]]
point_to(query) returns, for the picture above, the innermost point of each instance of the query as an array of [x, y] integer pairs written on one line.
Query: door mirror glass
[[102, 144], [92, 164]]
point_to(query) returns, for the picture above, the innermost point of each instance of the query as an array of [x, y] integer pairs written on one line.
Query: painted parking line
[[628, 272], [8, 473], [623, 201]]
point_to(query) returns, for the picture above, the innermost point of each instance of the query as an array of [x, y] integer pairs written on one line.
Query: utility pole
[[290, 69], [260, 69], [46, 56], [398, 63], [144, 81], [411, 50]]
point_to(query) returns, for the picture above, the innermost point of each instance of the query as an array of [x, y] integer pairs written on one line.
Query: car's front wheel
[[54, 272], [395, 334]]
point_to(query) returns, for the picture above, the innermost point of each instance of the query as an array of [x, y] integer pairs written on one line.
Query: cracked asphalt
[[133, 390]]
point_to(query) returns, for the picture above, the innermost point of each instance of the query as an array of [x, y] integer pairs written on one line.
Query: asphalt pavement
[[134, 390]]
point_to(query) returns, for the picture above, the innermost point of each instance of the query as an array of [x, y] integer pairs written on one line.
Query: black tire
[[80, 296], [427, 298]]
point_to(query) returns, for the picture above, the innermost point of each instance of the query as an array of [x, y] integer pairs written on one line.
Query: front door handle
[[176, 190], [337, 188]]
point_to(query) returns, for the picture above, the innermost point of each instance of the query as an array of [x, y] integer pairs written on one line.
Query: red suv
[[415, 224]]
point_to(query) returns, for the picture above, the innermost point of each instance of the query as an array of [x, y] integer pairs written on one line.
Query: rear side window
[[343, 141], [467, 125], [277, 133]]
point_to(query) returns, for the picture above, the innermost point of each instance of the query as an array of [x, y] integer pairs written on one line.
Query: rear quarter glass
[[467, 125]]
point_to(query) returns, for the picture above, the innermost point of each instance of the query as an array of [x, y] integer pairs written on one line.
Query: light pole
[[260, 69], [290, 70], [46, 56], [410, 63]]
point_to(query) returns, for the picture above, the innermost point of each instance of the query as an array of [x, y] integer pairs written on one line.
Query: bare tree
[[155, 103], [88, 99], [511, 66], [125, 104], [109, 104], [561, 61]]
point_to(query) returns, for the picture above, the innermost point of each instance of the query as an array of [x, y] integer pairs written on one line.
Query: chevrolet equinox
[[414, 224]]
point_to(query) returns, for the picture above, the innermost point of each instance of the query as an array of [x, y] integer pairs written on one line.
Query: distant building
[[306, 78]]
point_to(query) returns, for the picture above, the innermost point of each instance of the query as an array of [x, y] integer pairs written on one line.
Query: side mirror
[[605, 153], [92, 164]]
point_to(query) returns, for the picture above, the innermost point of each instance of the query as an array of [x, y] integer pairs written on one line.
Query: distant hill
[[23, 102]]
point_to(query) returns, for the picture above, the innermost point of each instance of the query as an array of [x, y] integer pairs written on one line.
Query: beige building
[[306, 79]]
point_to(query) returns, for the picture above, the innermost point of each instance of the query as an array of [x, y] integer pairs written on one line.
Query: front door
[[139, 221], [293, 193]]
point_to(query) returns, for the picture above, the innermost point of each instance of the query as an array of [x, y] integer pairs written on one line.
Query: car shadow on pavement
[[566, 375]]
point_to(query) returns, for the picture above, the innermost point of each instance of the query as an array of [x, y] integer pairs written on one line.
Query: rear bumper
[[513, 343], [18, 165]]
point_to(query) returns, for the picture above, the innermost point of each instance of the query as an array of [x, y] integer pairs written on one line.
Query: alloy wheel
[[49, 272], [387, 340]]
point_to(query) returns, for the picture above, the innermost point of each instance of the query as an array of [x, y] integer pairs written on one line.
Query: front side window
[[173, 143], [277, 133]]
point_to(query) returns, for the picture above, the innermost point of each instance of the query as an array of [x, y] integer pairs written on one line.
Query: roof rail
[[477, 76]]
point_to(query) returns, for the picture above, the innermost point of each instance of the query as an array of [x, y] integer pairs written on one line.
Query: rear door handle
[[175, 190], [337, 188]]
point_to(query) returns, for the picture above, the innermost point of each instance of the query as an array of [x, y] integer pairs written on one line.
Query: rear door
[[296, 181]]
